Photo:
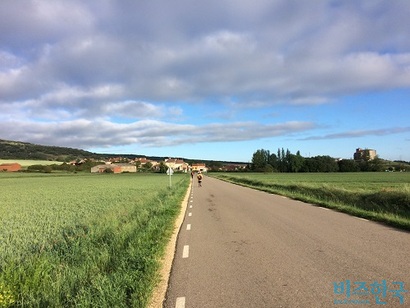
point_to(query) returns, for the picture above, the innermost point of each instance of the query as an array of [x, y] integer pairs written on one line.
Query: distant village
[[116, 165], [127, 165]]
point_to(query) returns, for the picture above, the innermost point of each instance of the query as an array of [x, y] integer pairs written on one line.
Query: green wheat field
[[84, 240]]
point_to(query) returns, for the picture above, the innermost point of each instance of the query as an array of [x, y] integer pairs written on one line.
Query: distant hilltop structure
[[364, 154]]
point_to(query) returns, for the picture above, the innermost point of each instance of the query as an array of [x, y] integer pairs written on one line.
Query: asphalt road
[[239, 247]]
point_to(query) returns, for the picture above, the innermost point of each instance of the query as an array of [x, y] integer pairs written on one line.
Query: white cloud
[[27, 24], [115, 62], [102, 133], [363, 133], [317, 51]]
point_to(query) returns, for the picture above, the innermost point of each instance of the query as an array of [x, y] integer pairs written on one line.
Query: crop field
[[69, 240], [26, 162], [379, 196], [348, 180]]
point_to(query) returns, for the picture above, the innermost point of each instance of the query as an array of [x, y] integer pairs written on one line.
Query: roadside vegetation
[[84, 240], [284, 161], [378, 196]]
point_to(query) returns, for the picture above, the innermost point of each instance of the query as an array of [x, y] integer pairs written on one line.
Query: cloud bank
[[106, 73]]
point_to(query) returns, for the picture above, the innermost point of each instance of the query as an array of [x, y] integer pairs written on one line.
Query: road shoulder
[[161, 289]]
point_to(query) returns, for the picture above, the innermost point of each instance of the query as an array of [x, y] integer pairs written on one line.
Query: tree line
[[285, 161]]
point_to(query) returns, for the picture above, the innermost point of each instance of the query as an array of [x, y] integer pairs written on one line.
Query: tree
[[162, 167], [138, 164], [281, 161], [273, 161], [310, 165], [35, 168], [375, 164], [147, 167], [296, 162], [320, 164], [268, 168], [348, 165], [282, 165], [287, 161], [260, 159], [327, 164]]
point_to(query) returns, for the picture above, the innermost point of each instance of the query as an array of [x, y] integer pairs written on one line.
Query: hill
[[24, 150]]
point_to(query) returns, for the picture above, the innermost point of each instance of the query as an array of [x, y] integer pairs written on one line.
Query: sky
[[212, 80]]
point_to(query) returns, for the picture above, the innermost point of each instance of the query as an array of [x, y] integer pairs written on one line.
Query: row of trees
[[61, 167], [284, 161], [87, 165]]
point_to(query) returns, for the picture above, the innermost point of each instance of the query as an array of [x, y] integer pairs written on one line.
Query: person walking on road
[[199, 177]]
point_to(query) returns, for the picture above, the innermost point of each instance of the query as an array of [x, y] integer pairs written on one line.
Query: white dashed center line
[[180, 303], [185, 252]]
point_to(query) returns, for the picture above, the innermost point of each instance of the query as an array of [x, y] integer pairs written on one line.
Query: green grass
[[85, 240], [383, 196]]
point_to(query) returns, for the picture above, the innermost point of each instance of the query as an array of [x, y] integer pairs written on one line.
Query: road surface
[[239, 247]]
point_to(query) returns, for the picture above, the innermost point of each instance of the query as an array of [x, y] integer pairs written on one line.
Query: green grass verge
[[389, 204], [110, 259]]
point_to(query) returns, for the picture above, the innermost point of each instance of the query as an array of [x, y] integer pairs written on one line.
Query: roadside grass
[[85, 240], [382, 197]]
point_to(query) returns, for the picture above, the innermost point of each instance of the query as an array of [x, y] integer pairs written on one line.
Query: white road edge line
[[188, 227], [185, 252], [364, 219], [180, 302], [324, 208]]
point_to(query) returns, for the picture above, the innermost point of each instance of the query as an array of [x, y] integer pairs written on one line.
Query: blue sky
[[211, 80]]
